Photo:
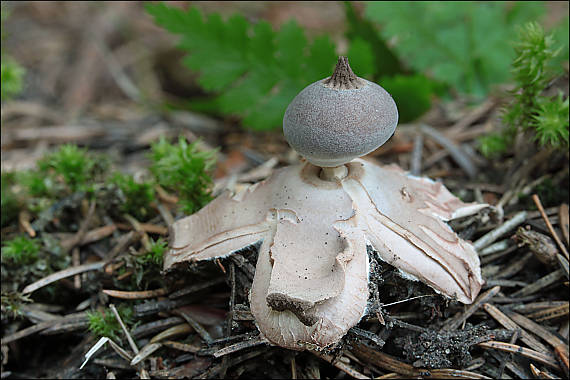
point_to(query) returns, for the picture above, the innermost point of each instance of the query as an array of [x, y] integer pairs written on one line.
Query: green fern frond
[[462, 44], [254, 70]]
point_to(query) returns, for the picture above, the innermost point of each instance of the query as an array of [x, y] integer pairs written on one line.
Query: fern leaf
[[254, 70], [462, 44]]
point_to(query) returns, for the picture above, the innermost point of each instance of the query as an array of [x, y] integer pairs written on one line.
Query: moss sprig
[[155, 254], [20, 251], [138, 196], [184, 169], [104, 324], [546, 117], [551, 121], [75, 166]]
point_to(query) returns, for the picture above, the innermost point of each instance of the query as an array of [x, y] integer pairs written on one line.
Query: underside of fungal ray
[[311, 280]]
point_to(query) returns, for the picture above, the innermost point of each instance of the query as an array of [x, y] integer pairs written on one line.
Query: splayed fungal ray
[[314, 220]]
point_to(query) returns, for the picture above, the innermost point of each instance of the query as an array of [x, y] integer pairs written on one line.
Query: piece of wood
[[560, 347], [563, 249], [135, 295], [546, 359], [563, 221], [504, 320], [456, 321], [68, 272]]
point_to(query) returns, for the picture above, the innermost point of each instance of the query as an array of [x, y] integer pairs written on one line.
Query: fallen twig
[[563, 221], [145, 352], [155, 326], [536, 200], [456, 321], [124, 328], [182, 346], [42, 326], [68, 272], [416, 161], [340, 365], [545, 359], [528, 339], [135, 295], [24, 222], [493, 235], [145, 227], [474, 115], [455, 151], [543, 282], [541, 374], [194, 288], [195, 325], [385, 361], [563, 264], [182, 328], [240, 346], [560, 347]]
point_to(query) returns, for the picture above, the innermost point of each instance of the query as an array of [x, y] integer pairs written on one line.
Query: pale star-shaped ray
[[311, 280]]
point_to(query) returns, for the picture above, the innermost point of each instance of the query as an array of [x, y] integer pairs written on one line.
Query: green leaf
[[463, 44], [155, 254], [529, 109], [361, 58], [252, 71], [271, 111], [321, 60], [412, 94], [174, 20], [385, 61], [105, 324], [291, 44], [262, 44], [247, 93], [76, 166]]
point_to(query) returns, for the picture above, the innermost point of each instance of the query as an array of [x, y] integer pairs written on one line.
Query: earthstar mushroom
[[313, 221]]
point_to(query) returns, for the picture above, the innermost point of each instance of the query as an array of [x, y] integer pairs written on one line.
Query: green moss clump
[[12, 74], [545, 117], [137, 196], [104, 324], [36, 183], [185, 170], [20, 251], [551, 121], [77, 168], [155, 254], [11, 303], [11, 78]]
